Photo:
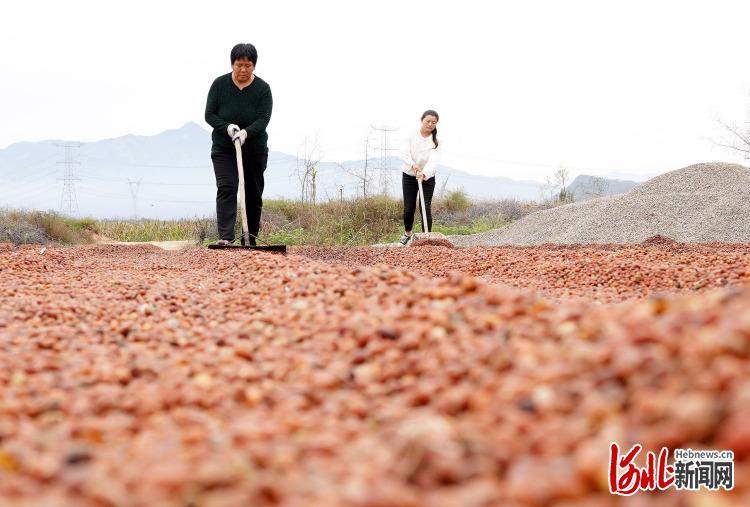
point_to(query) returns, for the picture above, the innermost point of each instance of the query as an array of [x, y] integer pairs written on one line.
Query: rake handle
[[420, 197], [243, 210]]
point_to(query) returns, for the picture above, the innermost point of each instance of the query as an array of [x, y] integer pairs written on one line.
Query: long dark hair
[[430, 112]]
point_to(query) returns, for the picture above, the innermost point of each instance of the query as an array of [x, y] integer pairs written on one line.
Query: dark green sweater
[[249, 109]]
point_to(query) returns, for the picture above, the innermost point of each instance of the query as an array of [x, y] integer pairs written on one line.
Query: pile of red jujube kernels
[[604, 273], [132, 376]]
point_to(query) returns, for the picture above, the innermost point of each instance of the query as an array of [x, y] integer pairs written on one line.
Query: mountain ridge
[[169, 175]]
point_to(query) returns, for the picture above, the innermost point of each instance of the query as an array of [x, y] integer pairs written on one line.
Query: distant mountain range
[[169, 175]]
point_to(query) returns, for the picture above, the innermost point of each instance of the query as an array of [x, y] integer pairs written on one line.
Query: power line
[[18, 184], [384, 161], [33, 192], [526, 163], [167, 166], [181, 201], [162, 183], [135, 187], [68, 201], [96, 193]]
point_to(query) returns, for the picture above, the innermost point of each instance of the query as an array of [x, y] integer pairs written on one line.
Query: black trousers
[[411, 188], [227, 185]]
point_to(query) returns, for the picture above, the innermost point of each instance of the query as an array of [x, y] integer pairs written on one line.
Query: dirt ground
[[136, 376]]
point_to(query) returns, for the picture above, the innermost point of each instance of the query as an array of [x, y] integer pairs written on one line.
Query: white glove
[[241, 135], [232, 129]]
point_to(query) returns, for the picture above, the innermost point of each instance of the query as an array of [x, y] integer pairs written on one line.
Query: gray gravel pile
[[697, 204]]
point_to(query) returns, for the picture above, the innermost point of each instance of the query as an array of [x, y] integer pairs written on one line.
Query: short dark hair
[[244, 51]]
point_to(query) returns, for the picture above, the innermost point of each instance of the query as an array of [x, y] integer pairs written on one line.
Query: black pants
[[411, 188], [227, 184]]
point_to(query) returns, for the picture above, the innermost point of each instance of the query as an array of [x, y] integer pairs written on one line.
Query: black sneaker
[[405, 240]]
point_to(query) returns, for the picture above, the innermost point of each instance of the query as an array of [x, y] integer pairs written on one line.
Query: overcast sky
[[600, 87]]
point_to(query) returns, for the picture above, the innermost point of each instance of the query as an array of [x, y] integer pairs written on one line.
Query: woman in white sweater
[[420, 153]]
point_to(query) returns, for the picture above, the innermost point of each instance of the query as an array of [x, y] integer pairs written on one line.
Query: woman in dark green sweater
[[239, 107]]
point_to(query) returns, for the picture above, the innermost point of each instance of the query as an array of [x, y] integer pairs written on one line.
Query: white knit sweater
[[420, 151]]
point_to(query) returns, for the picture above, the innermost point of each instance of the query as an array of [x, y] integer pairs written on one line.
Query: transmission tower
[[68, 200], [135, 187], [384, 151]]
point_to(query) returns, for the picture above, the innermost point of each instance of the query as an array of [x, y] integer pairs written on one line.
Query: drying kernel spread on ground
[[132, 376], [605, 273]]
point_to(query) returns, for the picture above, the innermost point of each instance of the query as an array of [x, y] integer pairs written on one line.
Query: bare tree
[[308, 157], [597, 187], [364, 179], [740, 141], [441, 193], [555, 189], [313, 185], [364, 175]]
